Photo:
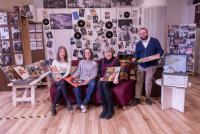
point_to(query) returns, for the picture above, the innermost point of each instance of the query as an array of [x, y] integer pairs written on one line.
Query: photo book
[[22, 72], [75, 82], [55, 73], [112, 74]]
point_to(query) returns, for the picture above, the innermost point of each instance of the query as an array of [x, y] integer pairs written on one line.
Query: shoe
[[83, 108], [53, 111], [103, 113], [69, 108], [148, 101], [109, 114], [134, 102]]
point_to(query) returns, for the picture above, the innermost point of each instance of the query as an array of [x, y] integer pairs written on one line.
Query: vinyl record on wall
[[109, 34], [126, 14], [81, 23], [77, 35], [109, 25], [45, 21]]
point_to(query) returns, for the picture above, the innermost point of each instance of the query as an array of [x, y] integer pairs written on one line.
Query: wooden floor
[[141, 119]]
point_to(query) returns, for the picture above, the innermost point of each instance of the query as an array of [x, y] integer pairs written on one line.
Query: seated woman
[[86, 71], [106, 86], [64, 66]]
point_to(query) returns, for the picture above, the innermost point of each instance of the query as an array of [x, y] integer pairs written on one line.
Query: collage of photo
[[10, 40], [181, 40]]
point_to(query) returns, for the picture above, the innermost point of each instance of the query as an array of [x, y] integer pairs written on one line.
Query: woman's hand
[[116, 82], [58, 79], [86, 82], [101, 79]]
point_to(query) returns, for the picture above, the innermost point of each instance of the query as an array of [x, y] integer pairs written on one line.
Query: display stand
[[172, 97]]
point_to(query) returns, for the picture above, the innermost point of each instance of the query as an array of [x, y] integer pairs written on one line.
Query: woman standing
[[86, 71], [64, 66], [106, 86]]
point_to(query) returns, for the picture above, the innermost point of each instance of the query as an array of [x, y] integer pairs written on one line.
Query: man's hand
[[134, 59], [116, 82]]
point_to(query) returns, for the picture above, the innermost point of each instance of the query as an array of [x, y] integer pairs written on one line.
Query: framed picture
[[18, 59], [17, 46], [5, 47]]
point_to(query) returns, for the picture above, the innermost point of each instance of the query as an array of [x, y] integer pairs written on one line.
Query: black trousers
[[106, 94], [61, 89]]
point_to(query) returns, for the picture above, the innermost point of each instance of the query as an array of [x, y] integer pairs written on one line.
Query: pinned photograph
[[93, 12], [83, 31], [78, 44], [107, 15], [6, 60], [38, 36], [49, 43], [16, 33], [75, 53], [81, 12], [13, 18], [6, 47], [61, 21], [95, 19], [75, 15], [87, 24], [33, 45], [40, 45], [18, 59], [31, 28], [17, 46], [90, 33], [89, 17], [72, 40], [38, 27], [32, 37], [49, 35], [4, 33], [3, 19]]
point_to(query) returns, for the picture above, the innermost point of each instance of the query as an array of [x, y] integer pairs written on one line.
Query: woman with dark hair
[[64, 66], [86, 71], [106, 86]]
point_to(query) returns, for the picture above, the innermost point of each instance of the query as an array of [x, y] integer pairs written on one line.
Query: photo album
[[55, 73], [75, 82]]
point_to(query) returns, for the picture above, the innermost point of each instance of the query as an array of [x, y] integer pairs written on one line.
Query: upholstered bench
[[122, 93]]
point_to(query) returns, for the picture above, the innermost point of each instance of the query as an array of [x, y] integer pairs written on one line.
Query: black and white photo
[[18, 59], [17, 46], [6, 47]]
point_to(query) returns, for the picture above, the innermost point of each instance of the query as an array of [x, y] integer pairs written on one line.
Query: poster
[[18, 59], [61, 21], [182, 40], [3, 19]]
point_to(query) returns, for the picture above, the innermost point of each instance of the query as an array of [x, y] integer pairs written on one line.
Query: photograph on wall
[[6, 47], [122, 3], [54, 3], [95, 19], [49, 43], [61, 21], [17, 46], [38, 27], [15, 33], [49, 35], [197, 15], [32, 37], [3, 19], [6, 59], [38, 36], [18, 59], [31, 28], [13, 19], [75, 15], [33, 45], [28, 11], [4, 33], [81, 12], [40, 45], [123, 30], [107, 15]]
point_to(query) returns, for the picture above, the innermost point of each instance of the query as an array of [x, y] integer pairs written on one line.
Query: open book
[[112, 74], [75, 82], [54, 72]]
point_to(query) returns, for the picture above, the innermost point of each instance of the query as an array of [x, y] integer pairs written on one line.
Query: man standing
[[148, 46]]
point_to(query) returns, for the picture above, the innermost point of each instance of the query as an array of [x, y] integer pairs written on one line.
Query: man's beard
[[145, 38]]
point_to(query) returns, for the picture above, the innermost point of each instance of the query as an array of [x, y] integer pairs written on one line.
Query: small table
[[32, 86], [172, 96]]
